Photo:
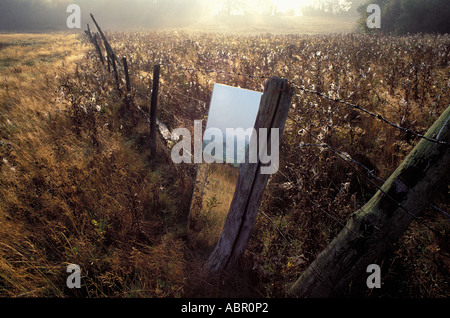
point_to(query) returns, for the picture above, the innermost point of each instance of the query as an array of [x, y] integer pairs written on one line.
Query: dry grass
[[78, 185], [214, 190], [72, 196]]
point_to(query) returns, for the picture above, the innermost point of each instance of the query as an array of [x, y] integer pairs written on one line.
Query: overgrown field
[[74, 189], [78, 185]]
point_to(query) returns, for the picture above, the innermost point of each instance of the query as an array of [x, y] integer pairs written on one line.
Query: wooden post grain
[[251, 182], [153, 108]]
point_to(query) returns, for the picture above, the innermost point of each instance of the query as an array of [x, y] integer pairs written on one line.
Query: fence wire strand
[[379, 188], [361, 109]]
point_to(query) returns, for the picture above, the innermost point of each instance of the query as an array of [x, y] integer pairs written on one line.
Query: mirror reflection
[[232, 110]]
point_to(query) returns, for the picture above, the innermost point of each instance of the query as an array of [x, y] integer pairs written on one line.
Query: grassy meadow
[[64, 199], [79, 186]]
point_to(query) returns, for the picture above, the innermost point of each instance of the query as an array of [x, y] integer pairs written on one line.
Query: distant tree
[[409, 16], [245, 7], [230, 7], [330, 7], [39, 15]]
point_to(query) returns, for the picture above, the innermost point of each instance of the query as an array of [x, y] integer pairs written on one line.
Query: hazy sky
[[51, 14], [260, 6], [233, 107]]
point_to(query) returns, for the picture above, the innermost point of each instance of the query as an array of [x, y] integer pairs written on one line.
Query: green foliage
[[408, 16], [212, 203]]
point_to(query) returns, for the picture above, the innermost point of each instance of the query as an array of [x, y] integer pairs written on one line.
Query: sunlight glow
[[269, 7], [289, 5]]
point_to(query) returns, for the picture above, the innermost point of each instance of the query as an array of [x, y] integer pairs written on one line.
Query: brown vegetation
[[75, 190], [214, 189], [77, 183]]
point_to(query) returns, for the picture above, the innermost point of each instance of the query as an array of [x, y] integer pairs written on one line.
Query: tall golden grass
[[213, 193], [65, 199], [78, 184]]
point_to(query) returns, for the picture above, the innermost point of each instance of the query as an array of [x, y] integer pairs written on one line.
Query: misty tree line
[[267, 7], [409, 16], [51, 15], [397, 16], [25, 15]]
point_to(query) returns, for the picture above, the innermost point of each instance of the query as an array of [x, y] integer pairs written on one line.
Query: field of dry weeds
[[78, 185]]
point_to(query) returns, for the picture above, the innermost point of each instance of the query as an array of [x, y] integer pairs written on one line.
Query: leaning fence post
[[108, 47], [108, 58], [88, 33], [127, 76], [116, 74], [153, 107], [273, 111], [97, 46], [377, 225]]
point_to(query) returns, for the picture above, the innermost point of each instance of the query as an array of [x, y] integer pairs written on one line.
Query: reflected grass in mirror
[[230, 108], [213, 193]]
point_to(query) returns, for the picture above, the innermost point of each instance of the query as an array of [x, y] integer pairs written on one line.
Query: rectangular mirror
[[231, 117]]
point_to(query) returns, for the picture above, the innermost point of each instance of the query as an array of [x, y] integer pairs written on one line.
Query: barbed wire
[[359, 108], [302, 88], [295, 85], [379, 188], [342, 155], [320, 94], [347, 157], [192, 69]]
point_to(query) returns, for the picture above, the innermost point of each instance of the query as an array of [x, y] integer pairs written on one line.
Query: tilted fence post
[[127, 76], [153, 108], [97, 46], [116, 74], [108, 47]]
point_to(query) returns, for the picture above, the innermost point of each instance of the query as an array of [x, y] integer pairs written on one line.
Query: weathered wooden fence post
[[251, 183], [88, 33], [153, 108], [382, 220], [109, 50], [127, 76], [116, 74], [97, 46], [108, 59]]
